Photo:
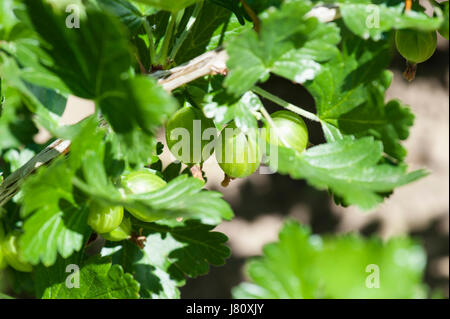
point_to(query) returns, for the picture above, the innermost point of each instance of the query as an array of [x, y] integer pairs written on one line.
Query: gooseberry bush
[[97, 200]]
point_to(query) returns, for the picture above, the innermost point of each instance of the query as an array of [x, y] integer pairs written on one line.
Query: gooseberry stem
[[408, 5], [253, 16], [285, 104], [180, 40]]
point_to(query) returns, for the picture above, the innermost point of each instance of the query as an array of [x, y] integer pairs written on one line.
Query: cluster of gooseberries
[[237, 152], [10, 253], [112, 223]]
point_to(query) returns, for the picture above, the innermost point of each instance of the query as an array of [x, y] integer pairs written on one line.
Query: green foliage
[[98, 279], [372, 19], [348, 167], [169, 5], [172, 252], [304, 265], [112, 59], [443, 30], [289, 45]]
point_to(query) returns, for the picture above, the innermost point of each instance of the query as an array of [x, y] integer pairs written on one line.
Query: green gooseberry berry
[[141, 182], [238, 153], [104, 219], [290, 131], [189, 135]]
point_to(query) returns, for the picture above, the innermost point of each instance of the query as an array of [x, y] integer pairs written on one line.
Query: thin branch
[[273, 126], [253, 16], [11, 184], [286, 105]]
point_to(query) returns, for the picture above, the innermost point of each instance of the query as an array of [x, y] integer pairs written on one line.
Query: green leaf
[[182, 197], [47, 279], [224, 108], [261, 5], [33, 60], [16, 124], [126, 12], [4, 296], [202, 32], [135, 111], [55, 215], [58, 222], [224, 33], [389, 123], [342, 84], [98, 280], [47, 104], [371, 20], [171, 253], [348, 167], [289, 45], [7, 18], [234, 6], [78, 55], [17, 158], [94, 64], [169, 5], [443, 30], [350, 95], [302, 265]]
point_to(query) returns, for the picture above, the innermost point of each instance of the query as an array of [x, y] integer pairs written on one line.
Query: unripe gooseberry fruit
[[10, 249], [416, 46], [141, 182], [104, 219], [189, 134], [122, 232], [237, 153], [290, 131]]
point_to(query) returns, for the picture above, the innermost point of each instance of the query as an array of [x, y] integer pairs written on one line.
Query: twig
[[210, 63], [273, 126], [13, 182], [286, 105]]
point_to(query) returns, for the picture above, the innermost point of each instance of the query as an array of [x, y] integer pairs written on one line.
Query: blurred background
[[262, 202]]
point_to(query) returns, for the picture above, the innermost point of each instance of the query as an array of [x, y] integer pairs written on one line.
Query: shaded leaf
[[302, 265]]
